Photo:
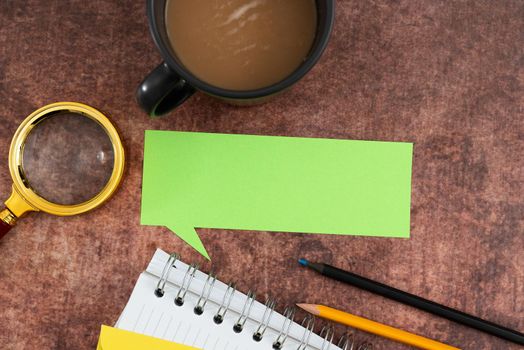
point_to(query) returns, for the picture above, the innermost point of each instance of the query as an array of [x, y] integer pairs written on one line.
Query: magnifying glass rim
[[16, 158]]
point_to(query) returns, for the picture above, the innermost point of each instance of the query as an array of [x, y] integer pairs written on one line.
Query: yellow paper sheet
[[117, 339]]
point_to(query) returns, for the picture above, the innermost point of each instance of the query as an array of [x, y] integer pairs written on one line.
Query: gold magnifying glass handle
[[7, 221], [15, 207]]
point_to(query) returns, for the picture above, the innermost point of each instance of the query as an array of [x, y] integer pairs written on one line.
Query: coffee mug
[[170, 83]]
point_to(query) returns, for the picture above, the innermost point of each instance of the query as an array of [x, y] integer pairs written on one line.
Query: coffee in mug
[[239, 44], [240, 51]]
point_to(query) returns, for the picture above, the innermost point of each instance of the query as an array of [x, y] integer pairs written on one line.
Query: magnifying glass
[[66, 158]]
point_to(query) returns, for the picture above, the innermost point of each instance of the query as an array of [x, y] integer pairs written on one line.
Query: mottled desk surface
[[448, 76]]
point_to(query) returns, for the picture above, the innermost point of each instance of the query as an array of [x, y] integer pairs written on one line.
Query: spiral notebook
[[177, 302]]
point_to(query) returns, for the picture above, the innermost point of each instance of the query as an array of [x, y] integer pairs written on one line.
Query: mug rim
[[295, 76]]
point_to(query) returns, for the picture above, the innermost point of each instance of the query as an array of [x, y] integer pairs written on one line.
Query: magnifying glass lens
[[67, 158]]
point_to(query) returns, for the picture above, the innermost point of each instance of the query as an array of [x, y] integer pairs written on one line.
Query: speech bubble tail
[[190, 236]]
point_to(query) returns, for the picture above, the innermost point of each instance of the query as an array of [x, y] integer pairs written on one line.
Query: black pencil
[[415, 301]]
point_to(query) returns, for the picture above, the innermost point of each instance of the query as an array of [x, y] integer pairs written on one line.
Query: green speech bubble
[[269, 183]]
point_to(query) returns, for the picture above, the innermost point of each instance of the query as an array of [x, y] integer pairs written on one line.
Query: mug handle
[[162, 90]]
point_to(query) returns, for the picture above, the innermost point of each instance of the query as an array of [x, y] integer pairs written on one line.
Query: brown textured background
[[448, 76]]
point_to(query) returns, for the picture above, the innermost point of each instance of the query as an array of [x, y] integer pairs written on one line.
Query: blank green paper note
[[270, 183]]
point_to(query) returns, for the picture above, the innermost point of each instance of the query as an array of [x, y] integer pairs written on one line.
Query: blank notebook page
[[160, 317]]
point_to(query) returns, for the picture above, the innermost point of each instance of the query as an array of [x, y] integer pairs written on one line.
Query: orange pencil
[[375, 327]]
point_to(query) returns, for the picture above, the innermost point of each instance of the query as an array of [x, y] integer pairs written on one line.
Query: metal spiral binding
[[226, 301], [188, 277], [347, 342], [159, 291], [268, 312], [309, 323], [246, 310], [328, 333], [206, 292], [289, 314]]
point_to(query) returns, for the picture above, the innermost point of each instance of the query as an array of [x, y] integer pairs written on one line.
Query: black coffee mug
[[170, 84]]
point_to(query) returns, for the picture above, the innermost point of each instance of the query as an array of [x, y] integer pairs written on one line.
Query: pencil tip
[[311, 308], [303, 262]]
